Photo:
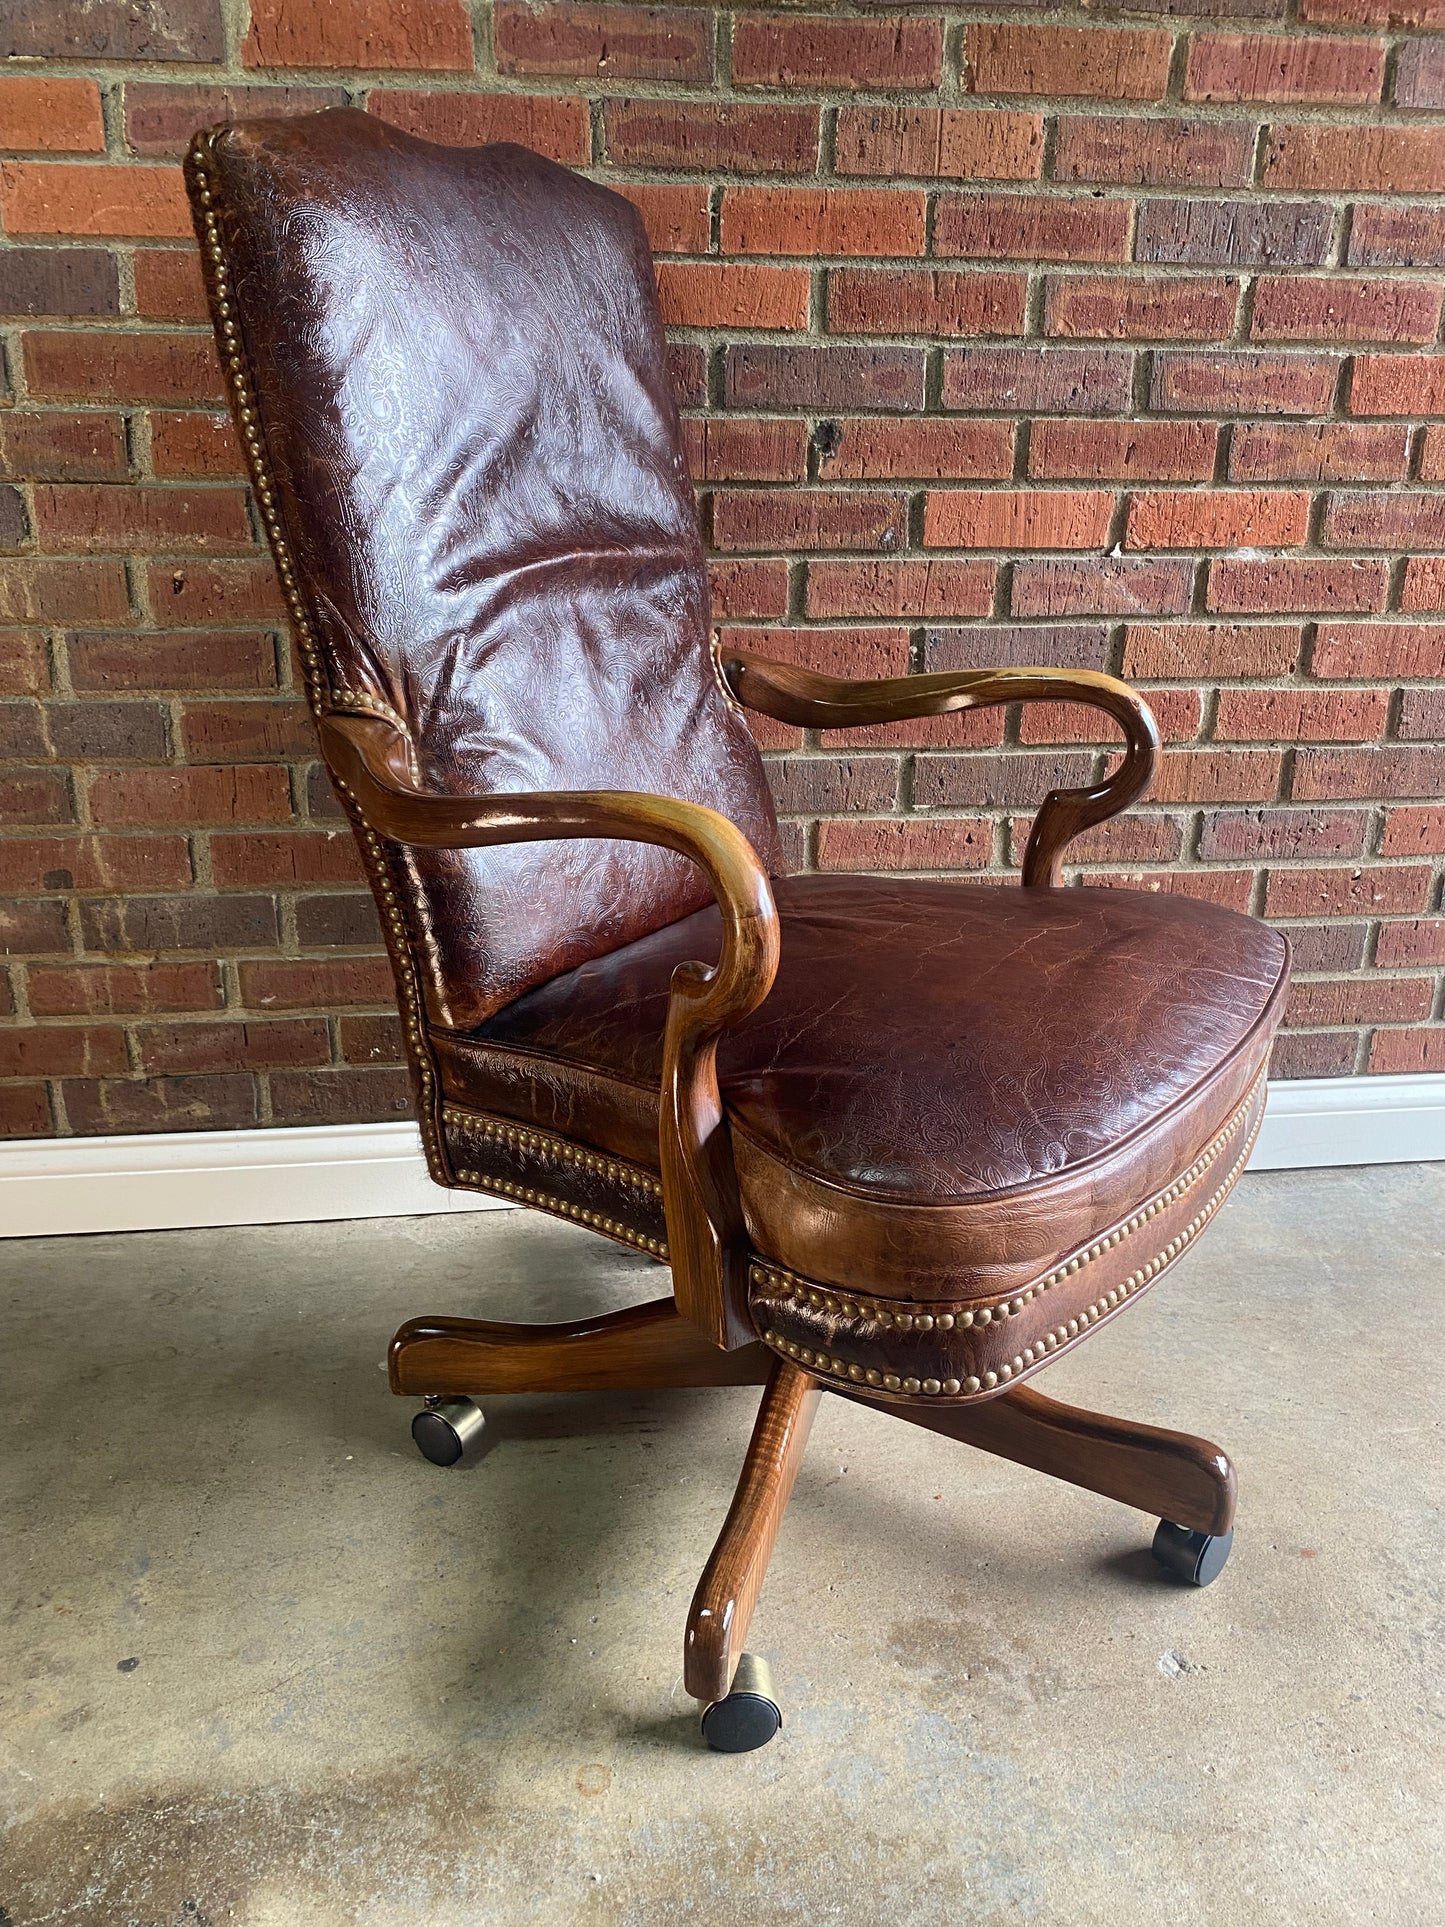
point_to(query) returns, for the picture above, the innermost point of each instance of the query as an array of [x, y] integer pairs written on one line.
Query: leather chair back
[[476, 474]]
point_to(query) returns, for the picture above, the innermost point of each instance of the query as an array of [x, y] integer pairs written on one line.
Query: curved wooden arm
[[705, 1234], [811, 701]]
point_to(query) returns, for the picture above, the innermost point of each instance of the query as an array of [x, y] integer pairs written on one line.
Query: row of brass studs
[[594, 1220], [1031, 1354], [885, 1312], [522, 1137]]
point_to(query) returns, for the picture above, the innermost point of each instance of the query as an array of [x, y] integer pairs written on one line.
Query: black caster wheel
[[749, 1717], [448, 1431], [1195, 1557]]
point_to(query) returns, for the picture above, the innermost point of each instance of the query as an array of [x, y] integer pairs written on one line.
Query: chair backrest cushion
[[467, 419]]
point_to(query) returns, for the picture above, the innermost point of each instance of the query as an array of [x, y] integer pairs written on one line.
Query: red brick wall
[[1112, 341]]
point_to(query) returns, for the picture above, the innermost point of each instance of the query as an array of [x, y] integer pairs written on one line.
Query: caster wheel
[[448, 1431], [749, 1717], [1195, 1557]]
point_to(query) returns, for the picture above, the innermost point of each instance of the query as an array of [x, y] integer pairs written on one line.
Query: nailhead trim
[[972, 1387], [521, 1137]]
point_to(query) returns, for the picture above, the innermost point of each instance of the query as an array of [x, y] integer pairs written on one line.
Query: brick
[[709, 136], [24, 664], [1283, 833], [1414, 831], [1398, 385], [74, 366], [903, 588], [1363, 775], [235, 1045], [1134, 152], [1109, 65], [46, 445], [25, 1111], [1242, 586], [1032, 227], [340, 919], [1432, 453], [261, 860], [178, 660], [135, 202], [1104, 308], [1015, 781], [51, 115], [1134, 838], [1186, 650], [870, 450], [1336, 309], [1416, 940], [1360, 1000], [1313, 1054], [1392, 651], [833, 785], [723, 450], [1333, 892], [1004, 645], [1238, 234], [1420, 75], [1328, 946], [63, 1050], [58, 281], [103, 990], [674, 217], [716, 294], [1317, 452], [939, 143], [744, 587], [14, 525], [1153, 451], [214, 591], [1423, 586], [161, 118], [21, 731], [860, 653], [952, 843], [1217, 518], [1396, 237], [218, 732], [894, 52], [221, 1100], [1399, 1051], [602, 42], [347, 1095], [819, 220], [1017, 518], [46, 591], [1101, 585], [1217, 776], [1301, 715], [1252, 66], [232, 794], [1362, 519], [1360, 159], [114, 30], [809, 519], [194, 447], [1065, 381], [1178, 713], [1242, 383], [168, 285], [215, 924], [365, 33], [35, 797], [1421, 715], [37, 865], [896, 301], [87, 515], [90, 732], [371, 1040], [818, 379], [315, 983]]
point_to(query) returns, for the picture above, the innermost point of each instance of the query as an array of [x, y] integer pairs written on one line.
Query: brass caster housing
[[449, 1430], [749, 1717]]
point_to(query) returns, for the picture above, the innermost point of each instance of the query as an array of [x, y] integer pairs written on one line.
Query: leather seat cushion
[[951, 1086]]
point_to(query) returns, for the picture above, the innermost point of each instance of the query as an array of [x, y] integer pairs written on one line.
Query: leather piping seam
[[903, 1315], [524, 1138], [1059, 1337], [243, 400]]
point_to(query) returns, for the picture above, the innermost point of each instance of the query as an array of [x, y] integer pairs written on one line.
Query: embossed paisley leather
[[462, 383]]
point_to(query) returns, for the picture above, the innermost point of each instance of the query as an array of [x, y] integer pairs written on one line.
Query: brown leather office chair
[[900, 1139]]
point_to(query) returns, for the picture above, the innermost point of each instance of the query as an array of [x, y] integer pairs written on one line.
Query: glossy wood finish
[[644, 1348], [722, 1606], [1171, 1474], [371, 760], [811, 701]]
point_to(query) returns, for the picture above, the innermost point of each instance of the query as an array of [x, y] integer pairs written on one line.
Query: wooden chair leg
[[645, 1348], [722, 1606], [1171, 1474]]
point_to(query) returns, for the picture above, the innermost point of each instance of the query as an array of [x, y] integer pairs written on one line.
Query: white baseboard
[[50, 1186]]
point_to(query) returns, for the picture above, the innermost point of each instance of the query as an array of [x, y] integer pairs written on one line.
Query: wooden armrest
[[707, 1243], [811, 701]]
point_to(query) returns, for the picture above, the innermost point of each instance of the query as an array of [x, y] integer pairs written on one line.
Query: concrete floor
[[260, 1663]]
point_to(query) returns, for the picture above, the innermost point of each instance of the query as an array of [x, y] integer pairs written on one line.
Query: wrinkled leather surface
[[463, 391], [949, 1085]]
